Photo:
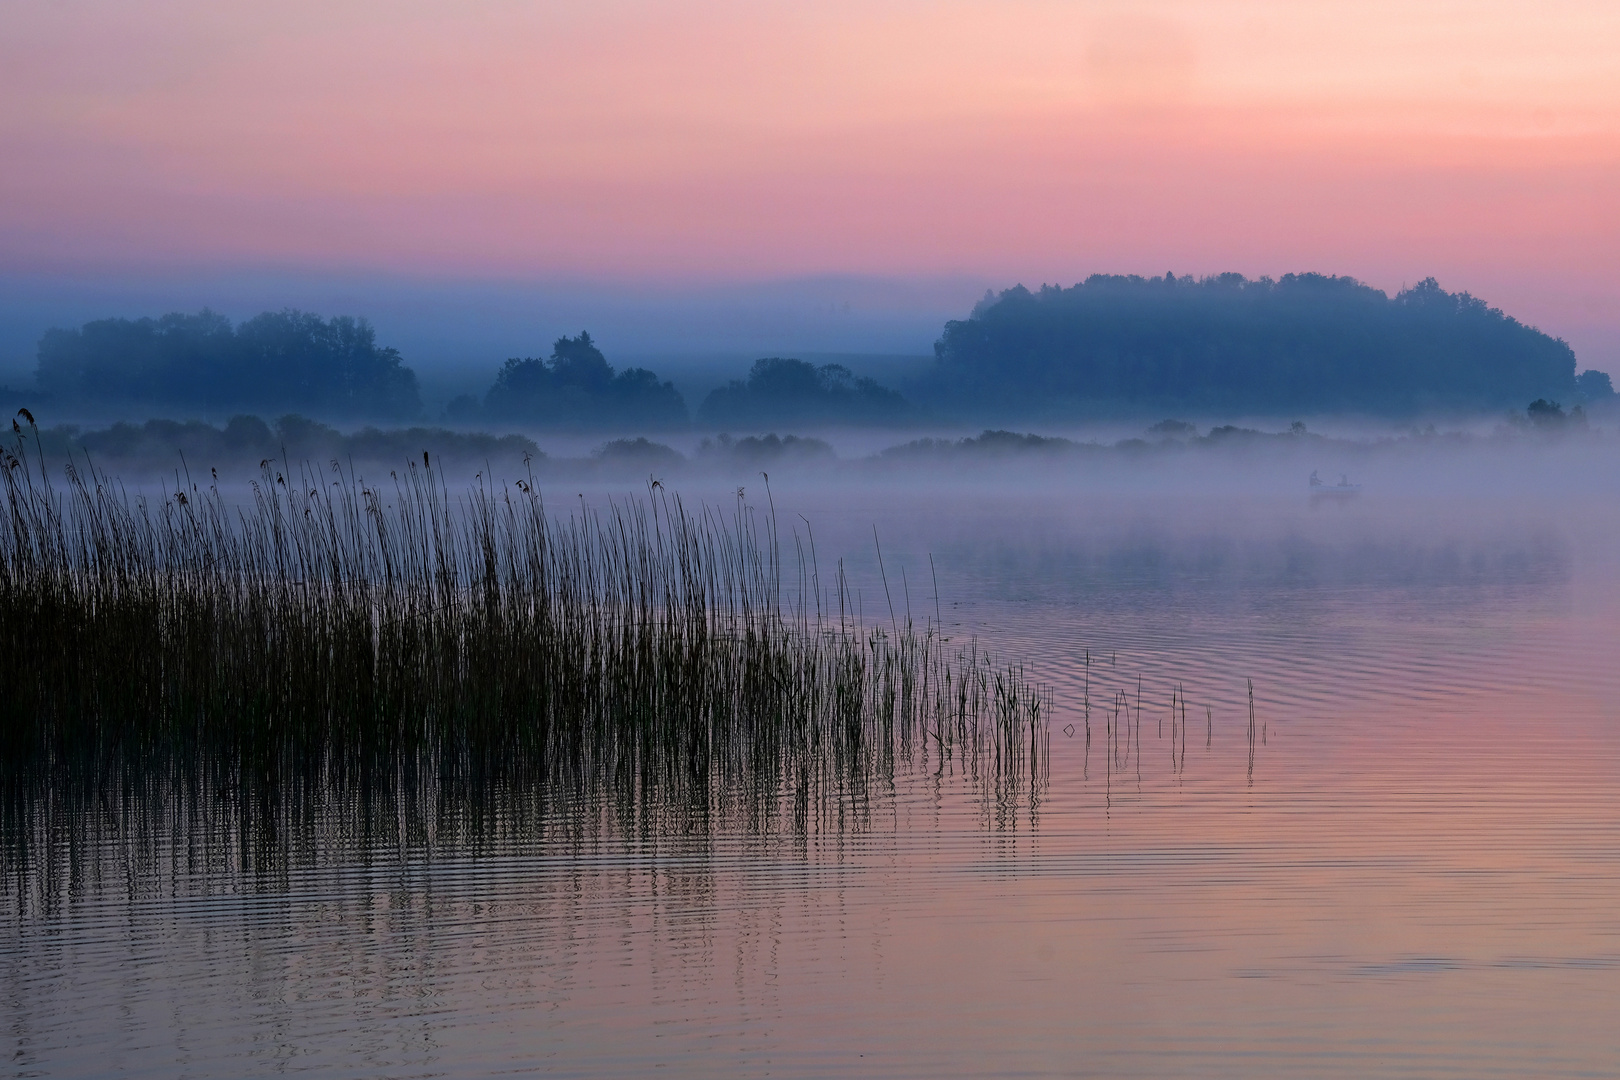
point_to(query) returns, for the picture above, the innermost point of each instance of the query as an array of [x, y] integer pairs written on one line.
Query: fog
[[1479, 453], [1455, 518], [1210, 504], [1186, 551]]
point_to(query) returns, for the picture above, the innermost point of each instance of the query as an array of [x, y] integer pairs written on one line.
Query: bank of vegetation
[[240, 443], [232, 452]]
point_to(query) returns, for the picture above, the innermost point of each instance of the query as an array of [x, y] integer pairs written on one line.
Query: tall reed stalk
[[642, 652]]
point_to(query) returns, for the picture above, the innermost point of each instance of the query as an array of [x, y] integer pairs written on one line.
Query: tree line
[[1109, 345], [297, 362], [577, 387], [287, 360], [1305, 342]]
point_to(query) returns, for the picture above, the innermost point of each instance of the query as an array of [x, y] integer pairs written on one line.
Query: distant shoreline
[[160, 447]]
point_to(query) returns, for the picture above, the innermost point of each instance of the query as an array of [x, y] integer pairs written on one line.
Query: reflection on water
[[1401, 862], [146, 821]]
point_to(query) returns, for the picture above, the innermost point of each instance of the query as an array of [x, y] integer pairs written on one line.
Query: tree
[[1546, 414], [784, 391], [578, 388], [1594, 385], [289, 360], [577, 362]]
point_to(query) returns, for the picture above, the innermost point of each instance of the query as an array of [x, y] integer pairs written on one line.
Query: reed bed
[[319, 630]]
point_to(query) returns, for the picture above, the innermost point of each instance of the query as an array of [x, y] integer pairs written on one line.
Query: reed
[[643, 652], [1251, 729]]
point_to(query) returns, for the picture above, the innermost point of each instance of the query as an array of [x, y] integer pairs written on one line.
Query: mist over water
[[886, 539], [1401, 862]]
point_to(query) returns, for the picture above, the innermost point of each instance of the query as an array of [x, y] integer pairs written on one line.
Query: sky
[[836, 175]]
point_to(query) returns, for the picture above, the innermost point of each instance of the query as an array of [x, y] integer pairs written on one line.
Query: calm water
[[1410, 870]]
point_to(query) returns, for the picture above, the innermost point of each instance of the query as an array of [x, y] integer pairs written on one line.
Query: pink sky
[[718, 141]]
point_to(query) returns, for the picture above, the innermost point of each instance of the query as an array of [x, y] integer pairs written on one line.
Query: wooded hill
[[1229, 345]]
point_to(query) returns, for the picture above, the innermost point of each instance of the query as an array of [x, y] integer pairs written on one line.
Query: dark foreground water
[[1409, 868]]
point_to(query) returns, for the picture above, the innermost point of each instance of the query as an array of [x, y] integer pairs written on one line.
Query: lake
[[1403, 862]]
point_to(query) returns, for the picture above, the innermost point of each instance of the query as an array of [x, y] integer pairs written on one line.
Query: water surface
[[1407, 869]]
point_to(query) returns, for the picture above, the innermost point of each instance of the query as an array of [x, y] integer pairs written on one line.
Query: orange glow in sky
[[1027, 139]]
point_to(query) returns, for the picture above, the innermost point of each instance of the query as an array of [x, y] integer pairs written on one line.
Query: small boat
[[1343, 487]]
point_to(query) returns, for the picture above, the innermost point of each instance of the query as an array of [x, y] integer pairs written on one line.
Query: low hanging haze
[[715, 177]]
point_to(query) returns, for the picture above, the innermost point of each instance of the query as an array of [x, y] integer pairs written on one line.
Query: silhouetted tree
[[277, 360], [780, 391], [578, 388], [640, 452], [1594, 385], [1546, 414]]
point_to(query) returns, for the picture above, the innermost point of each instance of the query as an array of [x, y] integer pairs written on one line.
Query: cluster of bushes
[[244, 441], [638, 453], [1550, 416], [998, 443], [749, 453], [1225, 343], [773, 449], [167, 447]]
